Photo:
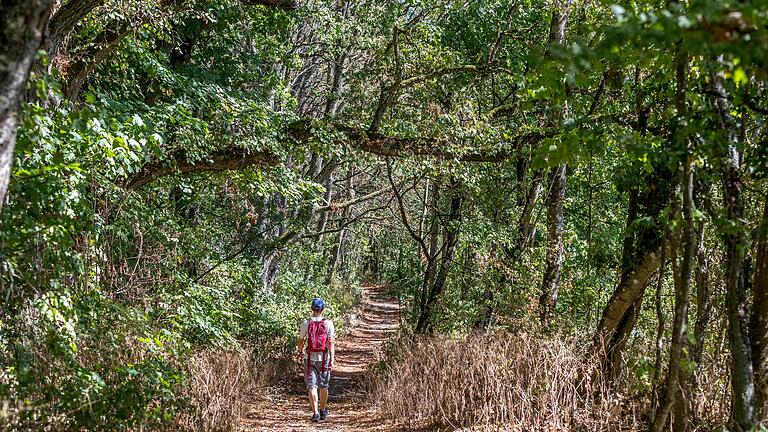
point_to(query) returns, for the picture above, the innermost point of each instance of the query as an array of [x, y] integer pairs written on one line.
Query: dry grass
[[499, 382], [218, 383]]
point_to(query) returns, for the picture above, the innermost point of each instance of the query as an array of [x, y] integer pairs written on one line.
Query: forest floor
[[350, 410]]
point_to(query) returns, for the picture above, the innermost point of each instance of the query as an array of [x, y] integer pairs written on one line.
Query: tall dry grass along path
[[355, 351]]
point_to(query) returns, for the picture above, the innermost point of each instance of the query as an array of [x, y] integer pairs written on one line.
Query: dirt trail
[[355, 350]]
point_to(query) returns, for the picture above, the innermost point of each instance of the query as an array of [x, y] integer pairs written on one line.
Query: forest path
[[355, 351]]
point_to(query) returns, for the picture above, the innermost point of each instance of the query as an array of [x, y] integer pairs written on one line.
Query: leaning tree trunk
[[22, 25], [641, 260], [64, 21]]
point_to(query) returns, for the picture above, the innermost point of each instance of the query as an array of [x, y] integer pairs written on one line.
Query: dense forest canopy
[[179, 178]]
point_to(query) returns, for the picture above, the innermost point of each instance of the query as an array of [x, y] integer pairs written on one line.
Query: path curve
[[355, 351]]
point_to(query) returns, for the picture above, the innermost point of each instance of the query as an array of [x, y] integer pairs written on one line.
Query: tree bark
[[22, 25], [682, 289], [683, 279], [641, 258], [550, 285], [64, 21], [703, 307], [759, 323], [450, 241], [620, 314], [742, 375]]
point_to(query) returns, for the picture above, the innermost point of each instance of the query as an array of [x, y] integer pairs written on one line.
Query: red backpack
[[317, 339], [317, 336]]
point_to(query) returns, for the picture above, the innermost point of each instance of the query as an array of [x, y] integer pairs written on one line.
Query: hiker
[[318, 333]]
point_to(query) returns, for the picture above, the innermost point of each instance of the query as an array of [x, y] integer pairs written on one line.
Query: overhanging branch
[[301, 132], [280, 4], [230, 159]]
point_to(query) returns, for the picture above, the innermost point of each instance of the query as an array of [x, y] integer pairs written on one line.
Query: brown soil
[[349, 409]]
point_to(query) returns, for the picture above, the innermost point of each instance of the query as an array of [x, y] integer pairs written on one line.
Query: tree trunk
[[554, 256], [759, 323], [639, 257], [620, 314], [742, 378], [550, 283], [661, 319], [683, 275], [682, 289], [22, 25], [64, 21], [526, 230], [641, 260], [432, 251], [450, 240], [703, 307]]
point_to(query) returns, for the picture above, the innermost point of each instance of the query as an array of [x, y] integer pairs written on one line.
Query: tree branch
[[301, 132], [230, 159], [279, 4], [404, 215], [336, 206]]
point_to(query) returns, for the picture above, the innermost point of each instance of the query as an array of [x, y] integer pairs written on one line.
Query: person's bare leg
[[323, 398], [312, 394]]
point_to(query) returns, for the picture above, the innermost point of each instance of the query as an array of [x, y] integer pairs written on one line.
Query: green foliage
[[108, 288]]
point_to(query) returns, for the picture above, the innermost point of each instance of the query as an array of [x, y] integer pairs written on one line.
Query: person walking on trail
[[318, 334]]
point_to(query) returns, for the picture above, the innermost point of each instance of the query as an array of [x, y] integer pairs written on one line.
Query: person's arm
[[300, 342], [300, 347], [332, 347]]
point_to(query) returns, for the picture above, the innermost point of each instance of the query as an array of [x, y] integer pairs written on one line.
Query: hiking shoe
[[315, 418], [324, 414]]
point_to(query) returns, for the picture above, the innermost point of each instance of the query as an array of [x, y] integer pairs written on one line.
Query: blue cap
[[318, 303]]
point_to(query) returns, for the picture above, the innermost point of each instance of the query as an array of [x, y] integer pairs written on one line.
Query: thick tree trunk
[[640, 257], [64, 21], [641, 260], [620, 314], [759, 323], [22, 25]]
